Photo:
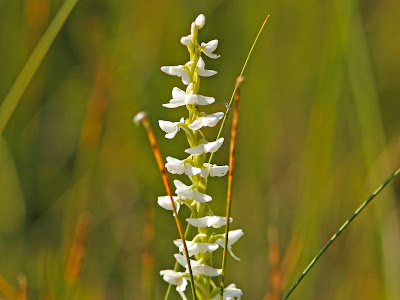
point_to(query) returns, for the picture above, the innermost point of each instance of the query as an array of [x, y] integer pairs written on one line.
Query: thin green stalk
[[17, 90], [232, 147], [236, 86], [344, 226]]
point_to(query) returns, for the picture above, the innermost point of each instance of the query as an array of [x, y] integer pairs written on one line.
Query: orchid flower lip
[[233, 237], [165, 202], [176, 278], [207, 121], [170, 128], [208, 49], [182, 98], [209, 147], [208, 221]]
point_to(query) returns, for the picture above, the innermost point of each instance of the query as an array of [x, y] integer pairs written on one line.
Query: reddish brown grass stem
[[232, 147], [146, 123]]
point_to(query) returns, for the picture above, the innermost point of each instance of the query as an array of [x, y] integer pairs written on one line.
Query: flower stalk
[[194, 195]]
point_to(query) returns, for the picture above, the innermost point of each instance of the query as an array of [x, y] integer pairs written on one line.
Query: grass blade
[[236, 86], [17, 90], [341, 229], [232, 147], [142, 117]]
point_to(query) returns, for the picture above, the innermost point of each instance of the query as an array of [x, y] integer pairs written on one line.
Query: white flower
[[170, 128], [206, 148], [209, 221], [209, 121], [198, 268], [233, 237], [165, 202], [176, 166], [182, 70], [213, 170], [230, 293], [208, 48], [195, 248], [179, 71], [181, 98], [176, 278], [188, 192], [200, 21], [201, 69], [187, 40]]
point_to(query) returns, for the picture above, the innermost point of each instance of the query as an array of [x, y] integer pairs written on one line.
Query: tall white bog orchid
[[194, 196]]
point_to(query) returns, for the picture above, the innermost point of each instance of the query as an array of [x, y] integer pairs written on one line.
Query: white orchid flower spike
[[203, 245]]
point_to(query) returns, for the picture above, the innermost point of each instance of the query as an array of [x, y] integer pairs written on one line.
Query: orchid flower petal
[[208, 121], [208, 221], [208, 48], [165, 202], [195, 248], [198, 268]]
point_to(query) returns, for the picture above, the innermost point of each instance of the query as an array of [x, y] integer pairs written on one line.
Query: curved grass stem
[[236, 86], [341, 229], [25, 76]]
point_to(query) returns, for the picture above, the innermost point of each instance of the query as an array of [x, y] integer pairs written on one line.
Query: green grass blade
[[17, 90], [236, 86], [341, 229]]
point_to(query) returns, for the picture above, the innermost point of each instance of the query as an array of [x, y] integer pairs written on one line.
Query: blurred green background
[[318, 132]]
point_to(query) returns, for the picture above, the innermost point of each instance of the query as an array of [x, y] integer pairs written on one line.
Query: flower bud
[[200, 21]]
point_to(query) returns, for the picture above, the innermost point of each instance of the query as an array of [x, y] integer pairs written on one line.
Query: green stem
[[236, 86], [344, 226], [17, 90]]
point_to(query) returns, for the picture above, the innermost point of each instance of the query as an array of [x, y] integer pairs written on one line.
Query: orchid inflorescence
[[194, 196]]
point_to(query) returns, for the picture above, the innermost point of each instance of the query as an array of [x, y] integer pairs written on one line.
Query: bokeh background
[[318, 132]]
